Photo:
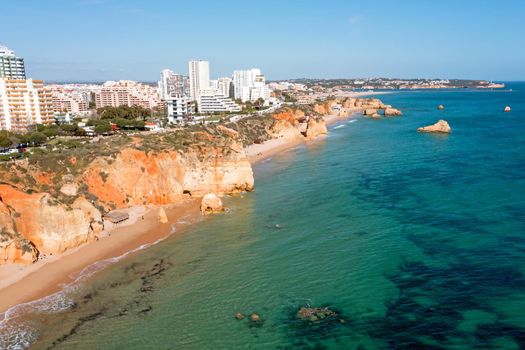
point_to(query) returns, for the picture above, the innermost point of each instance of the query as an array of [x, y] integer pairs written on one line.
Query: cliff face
[[315, 128], [38, 222], [47, 225], [13, 247]]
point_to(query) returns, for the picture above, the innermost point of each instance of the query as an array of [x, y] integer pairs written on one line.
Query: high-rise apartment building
[[173, 85], [11, 67], [199, 75], [242, 81], [250, 85], [224, 86], [127, 93], [24, 103]]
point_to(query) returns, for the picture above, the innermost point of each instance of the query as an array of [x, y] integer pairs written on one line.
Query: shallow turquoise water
[[417, 240]]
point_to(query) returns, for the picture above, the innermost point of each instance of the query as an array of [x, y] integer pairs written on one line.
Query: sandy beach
[[21, 284]]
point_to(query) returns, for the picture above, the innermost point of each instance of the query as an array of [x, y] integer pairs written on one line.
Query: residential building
[[211, 101], [172, 85], [11, 67], [260, 90], [180, 109], [199, 75], [250, 85], [224, 85], [67, 99], [214, 84], [127, 93], [24, 103], [242, 81]]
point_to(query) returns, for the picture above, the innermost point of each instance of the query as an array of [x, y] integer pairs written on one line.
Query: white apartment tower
[[242, 81], [199, 73], [224, 86], [11, 67], [250, 85], [172, 85]]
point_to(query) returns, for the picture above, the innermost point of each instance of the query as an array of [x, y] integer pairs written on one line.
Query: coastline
[[21, 284], [45, 277], [259, 152]]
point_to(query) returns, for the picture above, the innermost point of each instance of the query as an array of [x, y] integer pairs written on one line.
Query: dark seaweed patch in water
[[486, 334], [140, 303], [452, 290], [80, 322], [306, 334]]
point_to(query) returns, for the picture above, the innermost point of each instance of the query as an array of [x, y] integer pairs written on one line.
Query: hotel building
[[127, 93], [11, 67], [211, 100], [24, 103], [199, 75]]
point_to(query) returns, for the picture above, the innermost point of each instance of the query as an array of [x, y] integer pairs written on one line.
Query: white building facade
[[11, 67], [224, 86], [250, 85], [211, 101], [180, 109], [199, 75], [172, 84]]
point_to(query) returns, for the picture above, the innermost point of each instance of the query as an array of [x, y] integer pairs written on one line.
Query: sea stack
[[507, 109], [211, 204], [441, 107], [440, 127], [389, 112]]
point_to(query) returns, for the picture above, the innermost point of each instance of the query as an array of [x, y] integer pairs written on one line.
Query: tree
[[5, 141], [259, 102], [50, 131], [125, 112], [69, 128], [103, 128], [36, 138]]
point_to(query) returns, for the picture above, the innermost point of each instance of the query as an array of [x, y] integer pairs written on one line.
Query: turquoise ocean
[[416, 240]]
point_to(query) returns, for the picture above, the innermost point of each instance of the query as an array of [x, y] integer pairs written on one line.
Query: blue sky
[[94, 40]]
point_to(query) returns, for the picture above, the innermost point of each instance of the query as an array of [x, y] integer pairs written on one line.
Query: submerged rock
[[211, 204], [316, 314], [441, 127], [255, 317], [239, 316], [507, 109], [441, 107]]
